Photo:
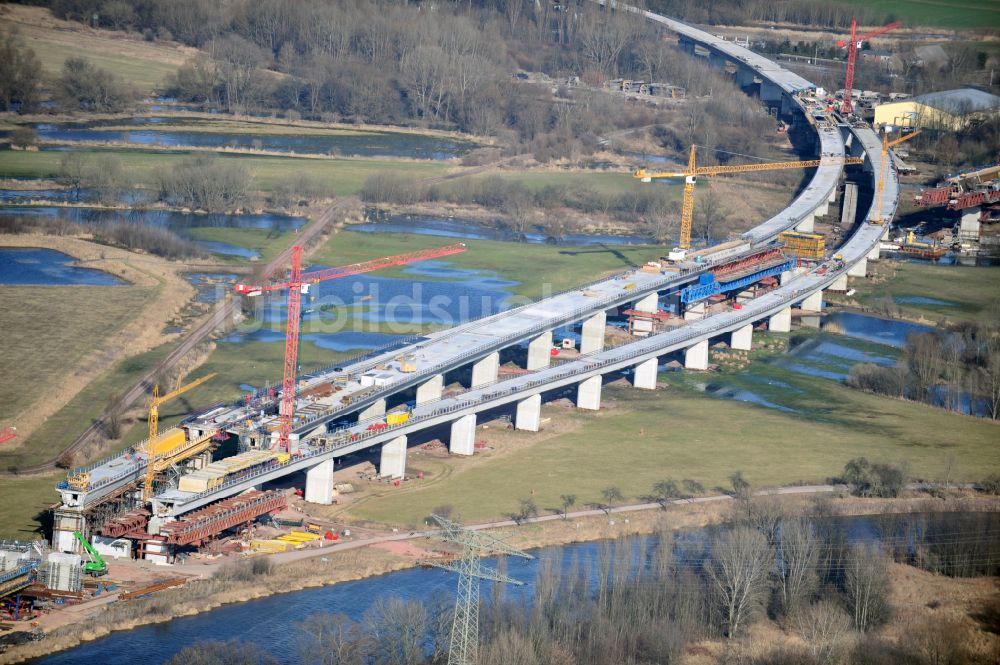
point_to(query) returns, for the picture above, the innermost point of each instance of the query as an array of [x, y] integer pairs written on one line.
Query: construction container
[[804, 245], [397, 418], [215, 473]]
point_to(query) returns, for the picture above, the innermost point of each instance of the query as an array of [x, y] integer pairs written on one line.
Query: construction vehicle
[[693, 171], [847, 105], [152, 450], [876, 217], [298, 284], [96, 565]]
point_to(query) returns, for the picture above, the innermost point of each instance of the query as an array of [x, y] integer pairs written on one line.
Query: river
[[186, 132], [35, 266], [271, 622]]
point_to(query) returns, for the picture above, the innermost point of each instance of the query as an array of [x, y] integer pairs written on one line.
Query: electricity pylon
[[464, 646]]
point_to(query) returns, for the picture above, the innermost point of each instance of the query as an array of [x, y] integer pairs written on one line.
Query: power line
[[464, 646]]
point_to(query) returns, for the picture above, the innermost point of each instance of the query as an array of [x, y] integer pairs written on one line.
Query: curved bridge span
[[336, 426]]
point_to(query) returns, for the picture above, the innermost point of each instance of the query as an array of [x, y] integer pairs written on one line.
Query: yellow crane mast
[[876, 217], [693, 171], [154, 422]]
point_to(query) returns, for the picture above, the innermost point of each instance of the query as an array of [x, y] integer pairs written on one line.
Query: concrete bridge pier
[[741, 339], [824, 208], [486, 370], [859, 269], [813, 302], [463, 435], [648, 304], [807, 224], [529, 413], [374, 410], [319, 483], [839, 284], [644, 374], [592, 335], [588, 394], [392, 463], [540, 351], [780, 322], [431, 389], [696, 357]]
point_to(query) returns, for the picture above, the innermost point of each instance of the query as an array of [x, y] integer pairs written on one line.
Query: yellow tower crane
[[154, 422], [693, 171], [876, 217]]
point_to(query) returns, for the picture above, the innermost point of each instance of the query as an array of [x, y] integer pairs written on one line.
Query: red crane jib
[[359, 268], [847, 106]]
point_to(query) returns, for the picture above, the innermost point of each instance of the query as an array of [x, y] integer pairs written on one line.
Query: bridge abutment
[[529, 413], [392, 463], [588, 394], [463, 435]]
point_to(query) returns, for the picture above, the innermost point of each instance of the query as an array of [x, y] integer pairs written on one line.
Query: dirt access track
[[143, 333]]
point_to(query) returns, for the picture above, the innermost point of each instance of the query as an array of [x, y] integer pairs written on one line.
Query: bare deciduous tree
[[738, 572], [825, 627], [797, 563], [866, 580]]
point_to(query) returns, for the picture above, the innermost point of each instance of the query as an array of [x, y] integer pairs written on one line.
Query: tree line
[[957, 369], [648, 599]]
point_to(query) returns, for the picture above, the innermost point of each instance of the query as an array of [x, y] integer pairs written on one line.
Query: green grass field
[[687, 435], [538, 269], [958, 15], [973, 292], [344, 176], [61, 429], [23, 502], [68, 322]]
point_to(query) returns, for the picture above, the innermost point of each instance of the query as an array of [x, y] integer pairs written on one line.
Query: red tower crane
[[847, 106], [297, 284]]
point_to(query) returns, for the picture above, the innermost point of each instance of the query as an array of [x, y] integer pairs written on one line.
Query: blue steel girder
[[697, 292]]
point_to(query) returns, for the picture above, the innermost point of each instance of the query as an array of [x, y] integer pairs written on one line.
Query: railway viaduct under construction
[[349, 407]]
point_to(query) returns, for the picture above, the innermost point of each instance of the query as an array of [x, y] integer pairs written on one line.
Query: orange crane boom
[[693, 171], [299, 283], [847, 106]]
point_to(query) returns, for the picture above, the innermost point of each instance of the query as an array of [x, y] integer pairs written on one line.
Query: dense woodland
[[650, 600]]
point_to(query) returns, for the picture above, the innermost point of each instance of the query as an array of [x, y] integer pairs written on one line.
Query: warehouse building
[[948, 109]]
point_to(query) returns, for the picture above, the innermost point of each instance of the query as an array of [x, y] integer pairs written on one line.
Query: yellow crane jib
[[154, 417], [876, 217], [693, 171]]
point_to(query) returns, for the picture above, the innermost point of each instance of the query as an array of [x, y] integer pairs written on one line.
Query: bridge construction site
[[223, 468]]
